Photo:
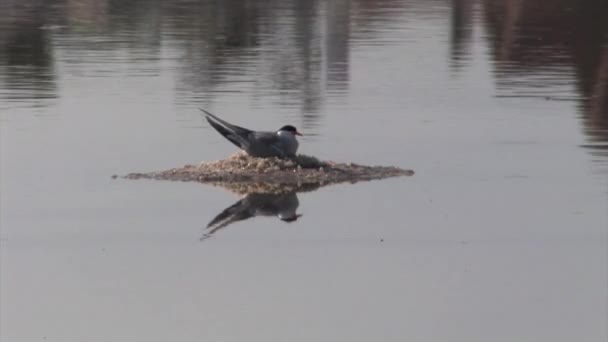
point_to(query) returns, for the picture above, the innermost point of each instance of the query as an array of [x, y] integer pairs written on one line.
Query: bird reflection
[[281, 205]]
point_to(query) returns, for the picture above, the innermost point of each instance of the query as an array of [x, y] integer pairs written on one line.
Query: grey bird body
[[282, 143]]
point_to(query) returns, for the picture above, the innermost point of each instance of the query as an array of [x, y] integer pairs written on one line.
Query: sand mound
[[244, 174]]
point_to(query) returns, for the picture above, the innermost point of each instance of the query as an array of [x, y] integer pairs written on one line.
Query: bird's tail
[[226, 129]]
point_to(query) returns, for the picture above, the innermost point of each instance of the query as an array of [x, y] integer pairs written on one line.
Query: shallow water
[[500, 107]]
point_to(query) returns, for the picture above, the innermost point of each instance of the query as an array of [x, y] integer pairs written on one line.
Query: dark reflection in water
[[298, 52], [545, 48], [269, 49], [461, 31], [26, 61], [338, 27], [283, 206]]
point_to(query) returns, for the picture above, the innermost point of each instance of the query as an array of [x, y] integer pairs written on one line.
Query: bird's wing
[[235, 134], [269, 140]]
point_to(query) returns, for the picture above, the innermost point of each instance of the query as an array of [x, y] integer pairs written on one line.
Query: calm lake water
[[500, 106]]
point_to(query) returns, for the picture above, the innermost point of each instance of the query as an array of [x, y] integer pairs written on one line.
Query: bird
[[281, 143]]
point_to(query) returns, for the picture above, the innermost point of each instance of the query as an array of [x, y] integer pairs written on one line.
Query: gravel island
[[244, 174]]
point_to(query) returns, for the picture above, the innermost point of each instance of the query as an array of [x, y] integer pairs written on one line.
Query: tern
[[282, 143]]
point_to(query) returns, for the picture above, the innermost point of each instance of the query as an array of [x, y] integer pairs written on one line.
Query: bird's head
[[290, 218], [290, 129]]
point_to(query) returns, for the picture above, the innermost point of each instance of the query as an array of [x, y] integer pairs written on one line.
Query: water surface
[[501, 108]]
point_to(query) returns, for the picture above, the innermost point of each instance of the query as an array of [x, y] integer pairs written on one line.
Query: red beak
[[298, 133]]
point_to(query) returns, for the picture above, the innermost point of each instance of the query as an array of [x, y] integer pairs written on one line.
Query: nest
[[242, 173], [242, 162]]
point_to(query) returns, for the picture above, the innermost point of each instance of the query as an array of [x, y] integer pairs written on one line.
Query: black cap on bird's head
[[290, 128]]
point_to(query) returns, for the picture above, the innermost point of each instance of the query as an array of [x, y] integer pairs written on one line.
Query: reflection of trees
[[290, 51], [544, 37], [268, 48], [26, 63], [286, 51], [461, 31], [97, 29], [80, 13], [337, 44], [309, 48], [595, 103]]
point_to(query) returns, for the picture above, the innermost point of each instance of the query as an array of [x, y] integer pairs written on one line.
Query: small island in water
[[244, 174]]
